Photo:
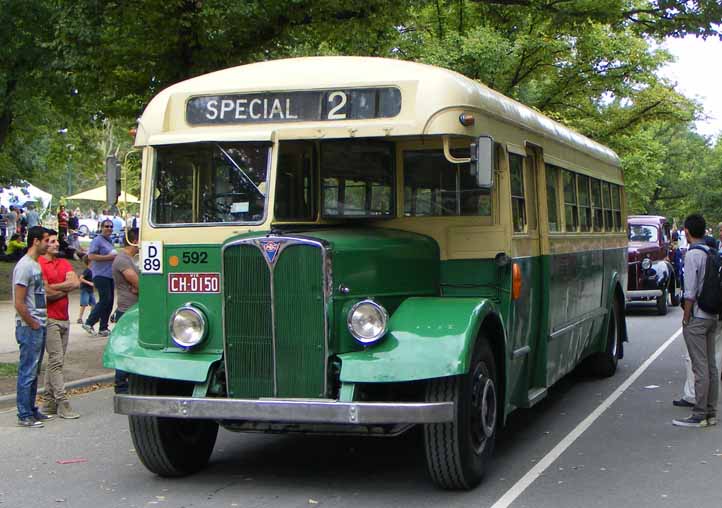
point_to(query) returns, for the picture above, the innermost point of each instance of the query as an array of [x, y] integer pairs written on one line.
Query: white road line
[[519, 487]]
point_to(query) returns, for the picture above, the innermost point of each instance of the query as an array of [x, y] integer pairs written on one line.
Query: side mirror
[[112, 179], [482, 161]]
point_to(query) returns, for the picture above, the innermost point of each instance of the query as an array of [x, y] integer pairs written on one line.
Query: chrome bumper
[[643, 293], [286, 410]]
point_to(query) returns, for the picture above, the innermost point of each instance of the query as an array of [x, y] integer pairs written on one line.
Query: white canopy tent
[[98, 194], [21, 194]]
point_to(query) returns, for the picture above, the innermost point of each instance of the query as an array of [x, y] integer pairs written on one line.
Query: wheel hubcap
[[483, 408]]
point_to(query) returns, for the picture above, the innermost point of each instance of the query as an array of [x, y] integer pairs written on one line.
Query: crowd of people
[[41, 283]]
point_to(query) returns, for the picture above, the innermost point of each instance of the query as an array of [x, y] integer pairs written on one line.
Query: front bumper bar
[[643, 293], [286, 410]]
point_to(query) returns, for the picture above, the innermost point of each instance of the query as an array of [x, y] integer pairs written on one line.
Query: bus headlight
[[367, 321], [646, 263], [188, 326]]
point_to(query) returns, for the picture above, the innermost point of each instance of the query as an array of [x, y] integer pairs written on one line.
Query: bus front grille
[[275, 331]]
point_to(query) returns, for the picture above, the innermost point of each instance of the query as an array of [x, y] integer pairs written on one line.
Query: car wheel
[[83, 230], [458, 452], [662, 303], [169, 447]]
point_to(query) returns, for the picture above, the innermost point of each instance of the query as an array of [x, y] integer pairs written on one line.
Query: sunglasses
[[108, 227]]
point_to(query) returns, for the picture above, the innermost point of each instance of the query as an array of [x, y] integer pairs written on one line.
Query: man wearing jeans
[[60, 280], [30, 322], [699, 329], [102, 253]]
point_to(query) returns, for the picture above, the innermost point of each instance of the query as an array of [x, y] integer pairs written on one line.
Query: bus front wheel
[[169, 447], [458, 452]]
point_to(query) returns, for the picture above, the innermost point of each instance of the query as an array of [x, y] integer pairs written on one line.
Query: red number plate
[[194, 282]]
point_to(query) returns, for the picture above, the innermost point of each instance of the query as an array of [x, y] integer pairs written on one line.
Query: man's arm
[[71, 283], [131, 278], [22, 309], [101, 257]]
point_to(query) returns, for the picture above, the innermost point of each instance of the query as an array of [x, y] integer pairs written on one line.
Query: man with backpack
[[702, 302]]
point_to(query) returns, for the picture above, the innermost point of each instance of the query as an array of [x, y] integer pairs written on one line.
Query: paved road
[[630, 456]]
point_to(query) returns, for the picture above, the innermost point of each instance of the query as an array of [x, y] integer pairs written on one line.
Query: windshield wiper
[[247, 178]]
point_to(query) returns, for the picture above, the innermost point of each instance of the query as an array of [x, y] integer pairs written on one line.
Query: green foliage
[[91, 66]]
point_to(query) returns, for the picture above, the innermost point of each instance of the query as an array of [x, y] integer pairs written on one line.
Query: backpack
[[709, 298]]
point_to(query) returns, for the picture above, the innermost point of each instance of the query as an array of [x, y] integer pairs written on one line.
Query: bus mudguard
[[124, 353], [427, 338]]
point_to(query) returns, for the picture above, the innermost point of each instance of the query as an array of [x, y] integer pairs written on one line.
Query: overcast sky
[[698, 74]]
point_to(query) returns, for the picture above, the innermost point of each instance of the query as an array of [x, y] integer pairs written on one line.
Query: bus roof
[[427, 91]]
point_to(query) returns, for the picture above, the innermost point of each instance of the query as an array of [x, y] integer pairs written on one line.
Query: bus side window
[[571, 217], [585, 210], [531, 192], [518, 203], [597, 205], [552, 178], [607, 204], [616, 207]]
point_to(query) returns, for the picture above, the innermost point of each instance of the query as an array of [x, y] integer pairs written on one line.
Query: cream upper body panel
[[427, 94]]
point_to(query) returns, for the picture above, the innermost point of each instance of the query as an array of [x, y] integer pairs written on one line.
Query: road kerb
[[79, 383]]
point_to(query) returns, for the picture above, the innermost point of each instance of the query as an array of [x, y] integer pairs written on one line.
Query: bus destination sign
[[308, 106]]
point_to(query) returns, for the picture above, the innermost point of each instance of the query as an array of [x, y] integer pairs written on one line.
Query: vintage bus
[[361, 245]]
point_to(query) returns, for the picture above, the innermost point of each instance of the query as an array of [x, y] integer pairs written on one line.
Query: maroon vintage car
[[651, 277]]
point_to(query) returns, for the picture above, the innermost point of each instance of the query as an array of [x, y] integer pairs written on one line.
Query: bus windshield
[[204, 183]]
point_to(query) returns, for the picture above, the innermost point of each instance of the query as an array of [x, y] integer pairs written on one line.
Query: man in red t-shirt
[[60, 279]]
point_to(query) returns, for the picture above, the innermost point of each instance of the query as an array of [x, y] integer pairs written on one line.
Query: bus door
[[527, 288]]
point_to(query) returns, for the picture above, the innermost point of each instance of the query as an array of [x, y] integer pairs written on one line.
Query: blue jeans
[[101, 312], [32, 345]]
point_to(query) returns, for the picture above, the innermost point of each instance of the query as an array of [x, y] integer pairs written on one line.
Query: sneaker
[[29, 422], [49, 407], [42, 417], [691, 421], [79, 321], [89, 329], [66, 412], [103, 333], [682, 403], [711, 420]]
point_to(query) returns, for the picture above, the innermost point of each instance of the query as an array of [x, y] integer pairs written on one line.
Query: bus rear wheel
[[458, 452], [169, 447], [604, 364]]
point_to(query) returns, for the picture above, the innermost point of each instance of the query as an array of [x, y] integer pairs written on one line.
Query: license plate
[[194, 282]]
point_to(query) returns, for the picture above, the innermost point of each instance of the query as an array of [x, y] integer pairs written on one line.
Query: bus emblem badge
[[270, 249]]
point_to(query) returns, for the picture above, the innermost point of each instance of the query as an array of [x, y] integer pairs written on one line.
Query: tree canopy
[[91, 66]]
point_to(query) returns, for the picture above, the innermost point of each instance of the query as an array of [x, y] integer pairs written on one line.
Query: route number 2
[[338, 99]]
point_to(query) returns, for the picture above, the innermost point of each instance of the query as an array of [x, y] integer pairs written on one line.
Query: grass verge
[[8, 369]]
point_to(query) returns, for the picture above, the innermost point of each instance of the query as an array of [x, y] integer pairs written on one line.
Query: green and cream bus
[[361, 245]]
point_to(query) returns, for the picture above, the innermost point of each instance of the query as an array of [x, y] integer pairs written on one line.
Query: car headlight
[[646, 263], [188, 326], [367, 321]]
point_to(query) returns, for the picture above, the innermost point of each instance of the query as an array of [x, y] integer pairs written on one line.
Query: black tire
[[673, 296], [83, 230], [604, 364], [458, 452], [662, 303], [169, 447]]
